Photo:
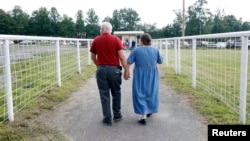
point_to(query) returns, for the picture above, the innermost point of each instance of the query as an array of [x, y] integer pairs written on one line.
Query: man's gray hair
[[106, 27]]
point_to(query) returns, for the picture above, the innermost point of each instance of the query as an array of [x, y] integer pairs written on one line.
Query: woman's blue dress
[[145, 85]]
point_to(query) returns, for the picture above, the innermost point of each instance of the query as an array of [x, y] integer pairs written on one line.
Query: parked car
[[201, 43], [27, 42], [184, 44], [233, 43], [84, 43], [211, 45], [164, 43], [221, 44]]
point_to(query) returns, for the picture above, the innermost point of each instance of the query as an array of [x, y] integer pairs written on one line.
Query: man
[[107, 54], [132, 45]]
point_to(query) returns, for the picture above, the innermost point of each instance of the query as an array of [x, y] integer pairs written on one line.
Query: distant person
[[145, 84], [127, 44], [107, 54], [133, 45]]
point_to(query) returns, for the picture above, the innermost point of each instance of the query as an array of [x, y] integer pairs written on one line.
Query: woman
[[145, 88]]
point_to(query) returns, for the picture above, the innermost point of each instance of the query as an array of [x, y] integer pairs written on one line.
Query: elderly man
[[107, 54]]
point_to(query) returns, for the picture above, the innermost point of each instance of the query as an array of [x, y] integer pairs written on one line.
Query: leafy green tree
[[55, 18], [107, 19], [116, 21], [232, 23], [80, 26], [92, 21], [92, 18], [176, 27], [67, 27], [7, 23], [245, 26], [129, 19], [197, 18], [40, 23], [21, 19]]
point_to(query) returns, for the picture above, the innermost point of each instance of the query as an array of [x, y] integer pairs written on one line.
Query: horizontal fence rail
[[216, 63], [31, 65]]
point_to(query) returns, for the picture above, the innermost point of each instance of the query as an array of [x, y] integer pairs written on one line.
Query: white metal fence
[[31, 65], [216, 63]]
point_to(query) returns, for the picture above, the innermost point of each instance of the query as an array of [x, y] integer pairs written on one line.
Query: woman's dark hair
[[146, 39]]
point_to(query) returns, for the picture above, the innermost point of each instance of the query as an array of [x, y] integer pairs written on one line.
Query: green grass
[[210, 107]]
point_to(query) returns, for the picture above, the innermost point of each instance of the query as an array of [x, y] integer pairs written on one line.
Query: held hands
[[126, 75]]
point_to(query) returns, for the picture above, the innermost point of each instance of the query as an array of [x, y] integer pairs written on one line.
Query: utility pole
[[183, 19]]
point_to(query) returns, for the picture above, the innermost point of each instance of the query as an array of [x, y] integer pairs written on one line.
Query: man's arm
[[93, 57]]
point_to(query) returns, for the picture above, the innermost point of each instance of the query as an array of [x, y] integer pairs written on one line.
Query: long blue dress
[[145, 85]]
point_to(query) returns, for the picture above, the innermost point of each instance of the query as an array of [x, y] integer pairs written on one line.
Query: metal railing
[[216, 63], [30, 65]]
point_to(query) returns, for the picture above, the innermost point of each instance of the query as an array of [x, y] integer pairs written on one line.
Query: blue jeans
[[109, 79]]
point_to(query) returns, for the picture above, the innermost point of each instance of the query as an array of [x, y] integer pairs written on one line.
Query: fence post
[[7, 74], [78, 57], [175, 56], [179, 57], [89, 55], [243, 79], [194, 63], [166, 53], [58, 64], [160, 48]]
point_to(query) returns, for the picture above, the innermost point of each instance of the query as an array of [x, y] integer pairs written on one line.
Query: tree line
[[43, 22]]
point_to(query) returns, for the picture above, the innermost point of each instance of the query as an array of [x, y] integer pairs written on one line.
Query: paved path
[[80, 116]]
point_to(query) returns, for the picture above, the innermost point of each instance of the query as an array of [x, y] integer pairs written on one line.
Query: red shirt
[[106, 47]]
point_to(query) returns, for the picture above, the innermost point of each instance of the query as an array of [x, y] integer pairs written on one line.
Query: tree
[[129, 18], [116, 21], [197, 18], [245, 26], [80, 26], [176, 27], [107, 19], [21, 19], [92, 21], [232, 23], [40, 23], [55, 18], [67, 27], [6, 23]]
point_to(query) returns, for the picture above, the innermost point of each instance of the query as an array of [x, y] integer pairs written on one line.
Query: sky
[[160, 12]]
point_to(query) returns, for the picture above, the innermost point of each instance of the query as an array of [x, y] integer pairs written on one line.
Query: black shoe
[[142, 121], [116, 119], [149, 115], [108, 123]]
